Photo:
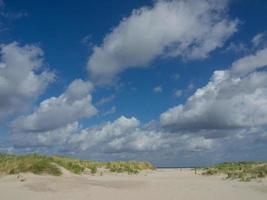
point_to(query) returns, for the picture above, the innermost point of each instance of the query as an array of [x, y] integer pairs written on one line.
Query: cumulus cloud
[[56, 138], [93, 136], [126, 138], [55, 112], [124, 135], [228, 101], [200, 144], [22, 76], [188, 29], [228, 113], [72, 136]]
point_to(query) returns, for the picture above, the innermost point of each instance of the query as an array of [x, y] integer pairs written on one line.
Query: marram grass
[[243, 171], [40, 164], [37, 164]]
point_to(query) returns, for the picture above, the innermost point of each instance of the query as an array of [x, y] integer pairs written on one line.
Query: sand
[[162, 184]]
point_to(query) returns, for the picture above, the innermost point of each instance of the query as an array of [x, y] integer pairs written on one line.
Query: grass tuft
[[243, 171], [39, 164]]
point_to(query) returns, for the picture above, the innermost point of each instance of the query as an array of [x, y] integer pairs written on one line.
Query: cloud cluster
[[22, 77], [201, 127], [56, 112], [234, 98], [186, 28], [229, 114], [229, 110], [128, 135], [124, 135]]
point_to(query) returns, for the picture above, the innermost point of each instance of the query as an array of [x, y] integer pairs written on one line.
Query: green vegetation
[[70, 164], [244, 171], [39, 164], [93, 169], [131, 167]]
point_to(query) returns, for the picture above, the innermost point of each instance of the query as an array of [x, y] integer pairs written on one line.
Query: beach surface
[[161, 184]]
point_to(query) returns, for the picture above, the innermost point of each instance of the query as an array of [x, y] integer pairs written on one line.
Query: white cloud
[[237, 48], [125, 138], [200, 144], [227, 101], [93, 136], [157, 89], [259, 39], [189, 29], [123, 135], [22, 78], [112, 110], [250, 63], [73, 137], [55, 112], [178, 93], [14, 15], [105, 100], [58, 138], [87, 40]]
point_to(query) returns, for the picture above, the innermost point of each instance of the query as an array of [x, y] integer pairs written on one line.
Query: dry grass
[[244, 171], [39, 164]]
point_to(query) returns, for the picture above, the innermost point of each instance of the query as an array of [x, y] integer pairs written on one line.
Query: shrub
[[93, 169]]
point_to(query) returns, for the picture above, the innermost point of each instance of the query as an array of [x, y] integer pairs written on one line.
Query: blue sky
[[172, 82]]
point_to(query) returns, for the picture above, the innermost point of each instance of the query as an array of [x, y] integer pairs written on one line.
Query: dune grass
[[40, 164], [78, 166], [131, 167], [37, 164], [243, 171]]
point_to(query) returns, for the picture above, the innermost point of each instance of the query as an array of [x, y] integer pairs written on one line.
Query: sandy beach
[[162, 184]]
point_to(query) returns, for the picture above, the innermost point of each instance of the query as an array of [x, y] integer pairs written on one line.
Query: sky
[[173, 82]]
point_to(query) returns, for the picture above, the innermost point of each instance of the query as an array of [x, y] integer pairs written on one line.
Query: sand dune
[[163, 184]]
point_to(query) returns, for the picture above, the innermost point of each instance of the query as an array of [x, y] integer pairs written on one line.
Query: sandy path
[[167, 184]]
